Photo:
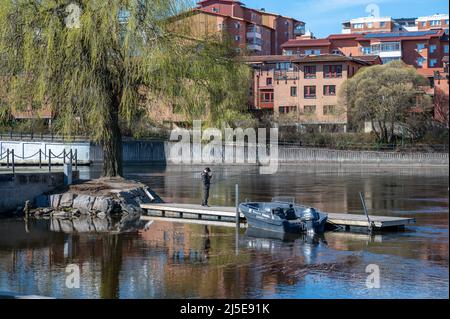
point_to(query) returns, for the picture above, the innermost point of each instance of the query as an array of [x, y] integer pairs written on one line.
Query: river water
[[175, 260]]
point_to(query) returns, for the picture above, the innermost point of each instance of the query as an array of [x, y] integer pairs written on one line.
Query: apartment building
[[389, 24], [421, 49], [254, 31], [304, 89]]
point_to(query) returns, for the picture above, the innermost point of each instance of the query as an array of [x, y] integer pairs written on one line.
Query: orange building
[[304, 90]]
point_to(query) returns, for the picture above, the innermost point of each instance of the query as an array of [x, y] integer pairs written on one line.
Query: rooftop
[[366, 60], [306, 43]]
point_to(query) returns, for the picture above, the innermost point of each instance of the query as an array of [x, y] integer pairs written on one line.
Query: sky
[[324, 17]]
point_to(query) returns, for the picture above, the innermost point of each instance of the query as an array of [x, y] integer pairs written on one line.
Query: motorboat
[[282, 215]]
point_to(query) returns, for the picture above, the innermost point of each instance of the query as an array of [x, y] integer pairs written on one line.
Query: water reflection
[[163, 259]]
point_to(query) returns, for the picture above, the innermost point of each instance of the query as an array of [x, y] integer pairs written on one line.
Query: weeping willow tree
[[93, 62]]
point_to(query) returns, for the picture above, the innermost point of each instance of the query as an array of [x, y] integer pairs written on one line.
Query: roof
[[368, 58], [407, 34], [434, 17], [306, 43], [305, 59], [344, 36], [233, 1], [269, 58]]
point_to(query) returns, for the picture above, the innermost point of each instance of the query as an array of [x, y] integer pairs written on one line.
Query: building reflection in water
[[173, 260]]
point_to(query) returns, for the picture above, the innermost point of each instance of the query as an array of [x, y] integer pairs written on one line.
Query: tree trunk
[[112, 144]]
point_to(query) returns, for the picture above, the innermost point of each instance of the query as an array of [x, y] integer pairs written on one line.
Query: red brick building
[[256, 31], [421, 49]]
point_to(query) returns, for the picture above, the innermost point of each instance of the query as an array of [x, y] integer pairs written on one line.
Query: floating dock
[[227, 215]]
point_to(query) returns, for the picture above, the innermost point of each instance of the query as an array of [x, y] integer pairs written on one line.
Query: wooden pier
[[227, 215]]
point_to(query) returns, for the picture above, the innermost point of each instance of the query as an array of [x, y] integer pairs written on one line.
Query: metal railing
[[31, 136], [68, 157]]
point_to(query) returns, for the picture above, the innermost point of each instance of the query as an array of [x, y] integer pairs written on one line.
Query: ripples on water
[[172, 260]]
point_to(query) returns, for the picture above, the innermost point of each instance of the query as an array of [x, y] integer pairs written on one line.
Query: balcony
[[254, 32], [254, 47]]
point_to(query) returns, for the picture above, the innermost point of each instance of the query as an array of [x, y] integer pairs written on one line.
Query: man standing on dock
[[206, 179]]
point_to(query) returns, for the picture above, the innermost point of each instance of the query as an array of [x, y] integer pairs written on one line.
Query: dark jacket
[[206, 179]]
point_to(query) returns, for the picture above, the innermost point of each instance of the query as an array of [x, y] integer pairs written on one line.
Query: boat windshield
[[284, 199]]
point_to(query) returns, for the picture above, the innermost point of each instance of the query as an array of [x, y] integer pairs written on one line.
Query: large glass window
[[310, 71], [332, 71]]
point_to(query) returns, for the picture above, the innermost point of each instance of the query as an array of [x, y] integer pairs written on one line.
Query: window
[[382, 24], [237, 38], [420, 61], [287, 109], [336, 52], [237, 25], [310, 92], [446, 22], [432, 63], [446, 48], [288, 52], [309, 109], [332, 71], [420, 47], [390, 59], [286, 23], [310, 71], [329, 90], [312, 52], [269, 81], [216, 10], [267, 97], [358, 26], [293, 91], [366, 50], [432, 48], [370, 24], [285, 66], [220, 26], [435, 23], [424, 23], [329, 109]]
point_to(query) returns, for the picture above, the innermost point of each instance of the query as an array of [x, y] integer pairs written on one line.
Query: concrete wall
[[159, 152], [15, 189], [29, 148]]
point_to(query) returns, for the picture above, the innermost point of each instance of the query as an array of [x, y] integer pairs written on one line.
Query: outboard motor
[[310, 214]]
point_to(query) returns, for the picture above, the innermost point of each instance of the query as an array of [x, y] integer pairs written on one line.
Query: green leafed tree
[[390, 97], [94, 64]]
